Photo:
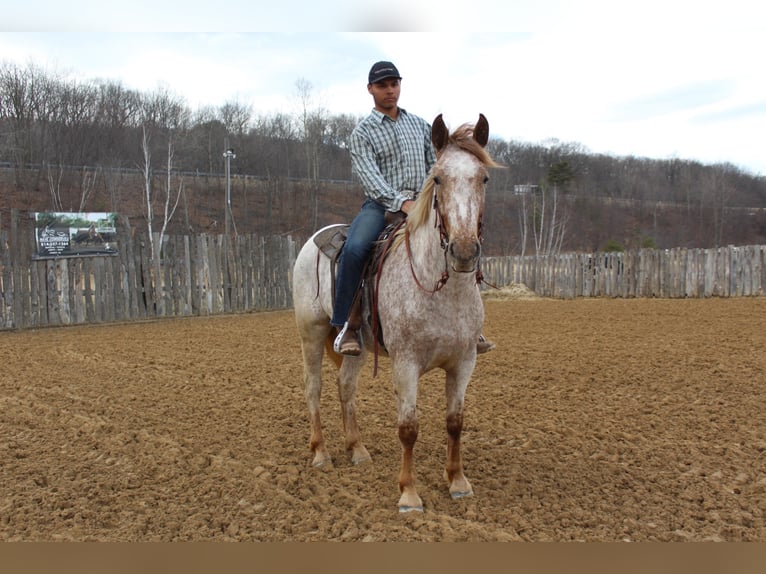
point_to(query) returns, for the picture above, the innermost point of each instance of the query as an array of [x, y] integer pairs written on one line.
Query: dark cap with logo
[[381, 71]]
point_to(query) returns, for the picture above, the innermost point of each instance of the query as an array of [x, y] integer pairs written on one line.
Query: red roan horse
[[429, 307]]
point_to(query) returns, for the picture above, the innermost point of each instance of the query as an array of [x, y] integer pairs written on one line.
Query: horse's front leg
[[406, 394], [457, 381]]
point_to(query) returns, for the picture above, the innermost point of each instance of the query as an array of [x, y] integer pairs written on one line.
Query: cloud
[[686, 99], [736, 112]]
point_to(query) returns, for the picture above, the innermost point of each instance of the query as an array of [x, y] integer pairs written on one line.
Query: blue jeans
[[365, 228]]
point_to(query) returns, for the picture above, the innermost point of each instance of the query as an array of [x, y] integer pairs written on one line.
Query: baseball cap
[[381, 71]]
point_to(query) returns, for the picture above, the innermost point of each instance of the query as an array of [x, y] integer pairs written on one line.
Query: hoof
[[456, 495], [361, 460], [322, 462], [360, 456], [459, 487], [410, 502]]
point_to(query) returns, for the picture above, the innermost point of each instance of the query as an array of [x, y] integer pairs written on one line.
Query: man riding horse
[[391, 153]]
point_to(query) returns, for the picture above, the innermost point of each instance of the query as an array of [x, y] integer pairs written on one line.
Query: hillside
[[285, 206], [291, 173]]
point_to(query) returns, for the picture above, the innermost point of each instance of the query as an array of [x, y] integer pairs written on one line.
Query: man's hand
[[407, 205]]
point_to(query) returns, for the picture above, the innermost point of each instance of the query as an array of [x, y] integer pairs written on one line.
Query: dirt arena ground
[[594, 420]]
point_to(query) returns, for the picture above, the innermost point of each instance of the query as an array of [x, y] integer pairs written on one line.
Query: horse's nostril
[[466, 252]]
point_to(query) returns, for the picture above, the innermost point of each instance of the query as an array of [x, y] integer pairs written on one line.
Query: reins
[[374, 306], [445, 274], [443, 241]]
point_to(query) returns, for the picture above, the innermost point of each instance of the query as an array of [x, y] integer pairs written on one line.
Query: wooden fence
[[198, 275], [214, 274], [670, 273]]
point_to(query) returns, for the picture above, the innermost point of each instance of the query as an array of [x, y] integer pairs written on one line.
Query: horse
[[429, 309]]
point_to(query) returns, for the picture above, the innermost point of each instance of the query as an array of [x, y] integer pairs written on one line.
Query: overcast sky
[[655, 79]]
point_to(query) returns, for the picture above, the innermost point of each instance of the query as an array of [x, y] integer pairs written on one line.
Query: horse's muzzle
[[464, 254]]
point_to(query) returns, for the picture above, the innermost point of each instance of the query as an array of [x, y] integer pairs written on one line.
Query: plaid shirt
[[392, 158]]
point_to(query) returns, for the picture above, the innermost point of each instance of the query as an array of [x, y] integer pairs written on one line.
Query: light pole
[[229, 155]]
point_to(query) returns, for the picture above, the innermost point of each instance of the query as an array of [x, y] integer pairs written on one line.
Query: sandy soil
[[594, 420]]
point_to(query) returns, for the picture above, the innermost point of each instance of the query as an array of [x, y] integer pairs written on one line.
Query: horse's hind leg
[[311, 345], [348, 378]]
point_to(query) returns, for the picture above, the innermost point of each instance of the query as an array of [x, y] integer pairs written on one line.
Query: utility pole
[[229, 155]]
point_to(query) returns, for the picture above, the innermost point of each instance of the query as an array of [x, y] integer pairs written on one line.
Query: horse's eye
[[437, 181], [486, 179]]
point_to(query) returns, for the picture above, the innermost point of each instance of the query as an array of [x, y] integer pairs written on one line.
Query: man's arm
[[374, 184]]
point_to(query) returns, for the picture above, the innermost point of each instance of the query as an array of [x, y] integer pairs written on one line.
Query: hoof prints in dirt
[[592, 420]]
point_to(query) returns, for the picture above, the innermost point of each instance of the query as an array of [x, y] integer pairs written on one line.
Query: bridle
[[444, 243]]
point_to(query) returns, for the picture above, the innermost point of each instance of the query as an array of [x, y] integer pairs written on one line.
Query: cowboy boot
[[348, 341], [484, 345]]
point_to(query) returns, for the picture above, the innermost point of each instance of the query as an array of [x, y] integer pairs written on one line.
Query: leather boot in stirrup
[[347, 342], [484, 345]]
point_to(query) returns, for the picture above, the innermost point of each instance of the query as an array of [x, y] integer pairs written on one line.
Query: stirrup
[[350, 346]]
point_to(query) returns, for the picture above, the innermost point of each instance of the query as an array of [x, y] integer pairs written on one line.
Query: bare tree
[[338, 130], [523, 223], [25, 114], [276, 137], [147, 173], [54, 174], [205, 137], [304, 93], [314, 123], [171, 196], [118, 117], [169, 208], [87, 186], [720, 192], [549, 215], [236, 118], [113, 184]]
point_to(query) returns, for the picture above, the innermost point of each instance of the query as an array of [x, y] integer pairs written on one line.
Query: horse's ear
[[481, 131], [439, 133]]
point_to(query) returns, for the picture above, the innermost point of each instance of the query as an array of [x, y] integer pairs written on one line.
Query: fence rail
[[214, 274]]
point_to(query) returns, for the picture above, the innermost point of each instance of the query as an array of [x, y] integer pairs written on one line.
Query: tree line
[[96, 145]]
